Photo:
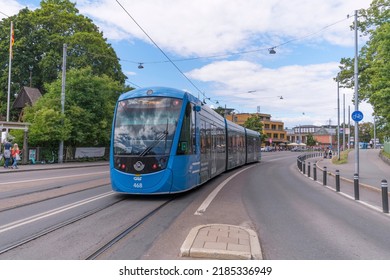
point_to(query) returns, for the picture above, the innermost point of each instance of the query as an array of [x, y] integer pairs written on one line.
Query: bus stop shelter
[[6, 126]]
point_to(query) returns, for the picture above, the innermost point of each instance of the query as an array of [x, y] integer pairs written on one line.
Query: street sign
[[357, 116]]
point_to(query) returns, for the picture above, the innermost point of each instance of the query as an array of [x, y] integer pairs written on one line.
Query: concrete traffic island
[[219, 241]]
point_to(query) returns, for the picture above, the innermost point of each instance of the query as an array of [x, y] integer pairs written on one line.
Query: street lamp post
[[30, 68], [356, 75], [374, 131], [344, 122], [338, 121], [61, 148]]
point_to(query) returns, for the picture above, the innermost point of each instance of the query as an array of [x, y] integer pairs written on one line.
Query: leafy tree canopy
[[373, 60], [39, 39], [310, 140], [254, 123], [89, 107]]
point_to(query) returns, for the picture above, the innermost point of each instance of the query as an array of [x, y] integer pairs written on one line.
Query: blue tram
[[167, 141]]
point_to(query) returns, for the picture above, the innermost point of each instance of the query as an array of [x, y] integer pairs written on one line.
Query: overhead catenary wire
[[242, 52], [157, 46], [4, 14]]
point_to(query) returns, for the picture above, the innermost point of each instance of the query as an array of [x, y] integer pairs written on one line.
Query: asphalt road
[[295, 218]]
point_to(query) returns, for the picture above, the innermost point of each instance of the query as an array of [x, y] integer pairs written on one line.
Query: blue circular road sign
[[357, 116]]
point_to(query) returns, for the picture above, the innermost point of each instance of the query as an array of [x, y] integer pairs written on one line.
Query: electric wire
[[157, 46], [244, 52], [4, 14]]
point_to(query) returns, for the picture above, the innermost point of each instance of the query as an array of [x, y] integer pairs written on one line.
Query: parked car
[[298, 149]]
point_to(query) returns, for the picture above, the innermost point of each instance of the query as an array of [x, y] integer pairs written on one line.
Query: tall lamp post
[[338, 120], [356, 75], [61, 148], [30, 68], [344, 122]]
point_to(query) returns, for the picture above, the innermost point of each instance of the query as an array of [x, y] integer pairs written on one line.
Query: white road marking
[[52, 212], [52, 178], [202, 208]]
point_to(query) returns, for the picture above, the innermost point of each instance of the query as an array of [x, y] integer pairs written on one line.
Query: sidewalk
[[35, 167], [372, 169]]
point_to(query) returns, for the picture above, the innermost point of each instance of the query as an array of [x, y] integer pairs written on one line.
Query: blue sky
[[230, 41]]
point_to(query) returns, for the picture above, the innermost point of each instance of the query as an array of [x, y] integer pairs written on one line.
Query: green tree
[[220, 110], [374, 57], [39, 39], [310, 140], [89, 107], [365, 132], [254, 123]]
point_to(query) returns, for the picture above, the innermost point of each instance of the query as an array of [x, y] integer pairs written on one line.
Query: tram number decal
[[137, 182]]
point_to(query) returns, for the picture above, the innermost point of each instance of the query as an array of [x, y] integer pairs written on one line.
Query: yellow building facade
[[273, 130]]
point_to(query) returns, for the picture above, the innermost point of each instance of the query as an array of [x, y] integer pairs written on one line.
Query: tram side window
[[203, 137], [186, 145]]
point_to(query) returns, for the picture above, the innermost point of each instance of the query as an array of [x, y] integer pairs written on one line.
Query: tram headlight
[[163, 162]]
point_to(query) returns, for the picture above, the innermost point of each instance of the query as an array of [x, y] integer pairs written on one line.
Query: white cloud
[[205, 27], [130, 73], [308, 89], [9, 8]]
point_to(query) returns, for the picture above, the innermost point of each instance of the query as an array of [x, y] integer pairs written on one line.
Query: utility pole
[[356, 72], [344, 122], [338, 120], [349, 127], [374, 131], [61, 148]]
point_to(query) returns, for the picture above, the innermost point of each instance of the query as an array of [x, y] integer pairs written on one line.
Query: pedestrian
[[7, 153], [15, 156]]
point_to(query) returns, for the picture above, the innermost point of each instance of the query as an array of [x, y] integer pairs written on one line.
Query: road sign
[[357, 116]]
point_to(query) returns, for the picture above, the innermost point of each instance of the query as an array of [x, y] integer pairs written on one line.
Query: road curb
[[40, 167], [373, 188]]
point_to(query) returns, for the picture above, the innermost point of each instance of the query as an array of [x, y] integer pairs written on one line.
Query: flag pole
[[11, 42]]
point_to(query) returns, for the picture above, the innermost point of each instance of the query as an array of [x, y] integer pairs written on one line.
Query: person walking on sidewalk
[[15, 156], [7, 153]]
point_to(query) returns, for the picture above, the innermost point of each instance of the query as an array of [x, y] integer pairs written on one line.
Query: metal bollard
[[308, 169], [304, 167], [315, 172], [324, 173], [356, 185], [337, 180], [385, 197]]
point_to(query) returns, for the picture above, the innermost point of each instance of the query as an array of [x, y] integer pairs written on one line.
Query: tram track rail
[[100, 251], [44, 189], [58, 226], [19, 200]]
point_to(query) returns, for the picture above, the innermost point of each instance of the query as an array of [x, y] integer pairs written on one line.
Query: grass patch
[[385, 154], [343, 157]]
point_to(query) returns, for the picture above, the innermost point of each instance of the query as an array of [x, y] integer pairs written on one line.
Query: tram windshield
[[146, 126]]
